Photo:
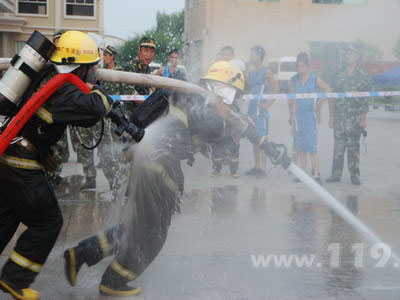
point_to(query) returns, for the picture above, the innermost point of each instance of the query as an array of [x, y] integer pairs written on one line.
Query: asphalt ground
[[216, 246]]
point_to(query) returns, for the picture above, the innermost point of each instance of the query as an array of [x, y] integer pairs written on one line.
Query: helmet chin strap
[[83, 71]]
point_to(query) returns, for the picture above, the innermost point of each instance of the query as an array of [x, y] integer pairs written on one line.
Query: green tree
[[369, 52], [396, 50], [167, 33]]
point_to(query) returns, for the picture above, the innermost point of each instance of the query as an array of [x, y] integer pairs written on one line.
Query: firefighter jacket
[[25, 158]]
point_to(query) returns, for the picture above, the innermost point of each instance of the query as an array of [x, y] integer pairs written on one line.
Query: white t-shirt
[[238, 64]]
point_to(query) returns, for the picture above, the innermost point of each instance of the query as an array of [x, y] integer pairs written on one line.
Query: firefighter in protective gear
[[26, 196], [226, 73], [158, 183], [226, 81], [154, 193], [153, 196]]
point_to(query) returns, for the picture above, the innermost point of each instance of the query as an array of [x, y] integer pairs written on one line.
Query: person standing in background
[[305, 114], [261, 81], [171, 70], [348, 117]]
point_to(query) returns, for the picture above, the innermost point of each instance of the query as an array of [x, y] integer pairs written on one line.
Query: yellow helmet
[[76, 48], [225, 72]]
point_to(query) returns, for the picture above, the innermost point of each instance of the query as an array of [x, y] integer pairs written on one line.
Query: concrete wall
[[287, 27]]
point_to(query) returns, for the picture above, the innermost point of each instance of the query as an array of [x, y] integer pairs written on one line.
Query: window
[[19, 45], [83, 8], [34, 7], [339, 1]]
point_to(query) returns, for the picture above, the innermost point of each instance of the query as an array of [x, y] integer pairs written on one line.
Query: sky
[[125, 18]]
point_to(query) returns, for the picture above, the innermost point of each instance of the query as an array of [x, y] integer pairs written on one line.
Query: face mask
[[226, 92], [63, 69]]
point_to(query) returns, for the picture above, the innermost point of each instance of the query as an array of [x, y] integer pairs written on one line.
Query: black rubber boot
[[252, 171], [23, 294], [72, 265], [332, 179], [112, 287], [261, 174]]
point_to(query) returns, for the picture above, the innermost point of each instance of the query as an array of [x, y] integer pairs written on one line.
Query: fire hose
[[34, 103]]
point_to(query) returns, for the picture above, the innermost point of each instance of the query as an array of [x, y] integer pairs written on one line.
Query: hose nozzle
[[124, 126]]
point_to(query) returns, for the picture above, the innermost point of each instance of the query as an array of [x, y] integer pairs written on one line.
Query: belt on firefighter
[[25, 263], [179, 114], [20, 163], [158, 168], [23, 142]]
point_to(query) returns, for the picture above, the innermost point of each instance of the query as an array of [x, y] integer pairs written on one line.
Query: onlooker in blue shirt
[[305, 113], [171, 70], [261, 81]]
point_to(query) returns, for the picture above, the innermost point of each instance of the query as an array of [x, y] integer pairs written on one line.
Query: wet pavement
[[254, 238]]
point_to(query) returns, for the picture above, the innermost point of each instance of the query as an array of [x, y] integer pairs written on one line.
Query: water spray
[[275, 151]]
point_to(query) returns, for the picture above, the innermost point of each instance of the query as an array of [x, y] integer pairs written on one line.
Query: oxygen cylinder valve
[[25, 69]]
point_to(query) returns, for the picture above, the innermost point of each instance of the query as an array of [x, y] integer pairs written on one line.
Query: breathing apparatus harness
[[23, 77]]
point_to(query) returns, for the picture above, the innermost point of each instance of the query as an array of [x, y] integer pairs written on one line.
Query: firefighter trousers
[[36, 207], [134, 250], [138, 241]]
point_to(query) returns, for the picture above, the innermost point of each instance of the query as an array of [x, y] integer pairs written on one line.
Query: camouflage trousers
[[84, 156], [111, 156], [60, 153], [346, 140], [225, 150]]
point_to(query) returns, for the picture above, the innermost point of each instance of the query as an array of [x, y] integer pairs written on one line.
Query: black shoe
[[318, 180], [215, 174], [332, 179], [260, 174], [72, 265], [117, 288], [252, 171], [59, 181], [355, 180], [89, 184], [25, 294], [296, 180]]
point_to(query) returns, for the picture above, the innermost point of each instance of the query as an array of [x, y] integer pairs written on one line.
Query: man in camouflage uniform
[[85, 136], [61, 155], [140, 64], [110, 150], [348, 117]]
